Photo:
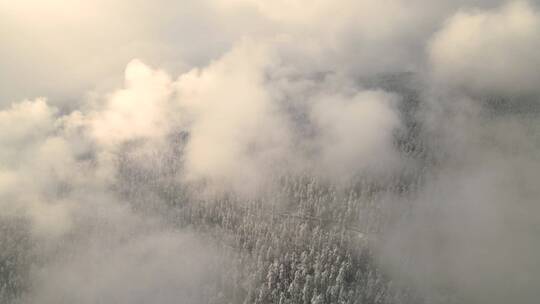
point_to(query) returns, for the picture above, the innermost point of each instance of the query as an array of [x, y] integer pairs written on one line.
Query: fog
[[136, 136]]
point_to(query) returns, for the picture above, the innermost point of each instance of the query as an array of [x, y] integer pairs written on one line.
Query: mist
[[245, 151]]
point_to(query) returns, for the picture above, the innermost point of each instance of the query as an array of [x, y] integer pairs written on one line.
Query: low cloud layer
[[490, 51], [347, 92]]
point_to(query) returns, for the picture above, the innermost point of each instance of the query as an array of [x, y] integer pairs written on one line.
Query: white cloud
[[357, 133], [235, 129], [265, 88], [68, 54], [491, 51], [141, 110], [34, 163], [25, 122], [126, 267]]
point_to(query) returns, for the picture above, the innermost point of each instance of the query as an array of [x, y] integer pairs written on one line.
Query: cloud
[[57, 177], [357, 133], [34, 161], [235, 130], [239, 125], [158, 266], [62, 55], [86, 49], [230, 95], [467, 234], [141, 110], [25, 122], [490, 51]]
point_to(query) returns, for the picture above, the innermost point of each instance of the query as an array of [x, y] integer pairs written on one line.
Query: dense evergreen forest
[[304, 240], [269, 152]]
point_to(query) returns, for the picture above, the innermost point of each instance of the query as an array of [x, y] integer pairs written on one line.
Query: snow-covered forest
[[251, 151]]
